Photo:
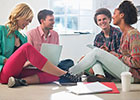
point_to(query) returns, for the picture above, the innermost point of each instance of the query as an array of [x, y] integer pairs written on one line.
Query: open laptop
[[52, 52]]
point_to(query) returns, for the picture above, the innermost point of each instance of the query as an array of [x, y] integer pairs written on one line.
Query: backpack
[[66, 64]]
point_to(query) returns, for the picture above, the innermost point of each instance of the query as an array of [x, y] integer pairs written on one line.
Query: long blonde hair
[[22, 10]]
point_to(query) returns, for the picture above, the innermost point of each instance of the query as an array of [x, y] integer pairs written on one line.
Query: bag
[[66, 64]]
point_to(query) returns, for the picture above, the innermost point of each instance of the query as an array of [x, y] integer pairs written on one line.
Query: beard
[[48, 28]]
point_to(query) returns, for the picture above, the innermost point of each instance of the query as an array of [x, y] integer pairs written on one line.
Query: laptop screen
[[52, 52]]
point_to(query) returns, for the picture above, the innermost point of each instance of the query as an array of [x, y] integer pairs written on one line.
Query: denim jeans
[[105, 60]]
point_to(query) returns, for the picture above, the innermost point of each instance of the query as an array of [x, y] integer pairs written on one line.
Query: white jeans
[[99, 59]]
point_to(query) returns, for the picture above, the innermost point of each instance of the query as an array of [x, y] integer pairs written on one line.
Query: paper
[[52, 52], [89, 88], [69, 96]]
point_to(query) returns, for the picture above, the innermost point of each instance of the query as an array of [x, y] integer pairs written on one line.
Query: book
[[95, 87], [110, 85]]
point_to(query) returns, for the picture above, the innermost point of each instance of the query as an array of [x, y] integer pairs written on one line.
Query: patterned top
[[113, 42], [130, 51]]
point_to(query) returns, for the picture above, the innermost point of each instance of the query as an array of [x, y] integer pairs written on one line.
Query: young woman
[[14, 52], [129, 59], [124, 16]]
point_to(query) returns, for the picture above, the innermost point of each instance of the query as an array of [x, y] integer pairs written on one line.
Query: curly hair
[[104, 11], [19, 12], [130, 12]]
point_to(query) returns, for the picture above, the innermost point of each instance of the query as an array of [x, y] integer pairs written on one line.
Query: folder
[[111, 85]]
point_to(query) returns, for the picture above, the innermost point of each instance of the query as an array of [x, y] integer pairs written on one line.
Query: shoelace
[[74, 78]]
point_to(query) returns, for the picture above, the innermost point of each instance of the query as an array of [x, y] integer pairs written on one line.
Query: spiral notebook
[[52, 52]]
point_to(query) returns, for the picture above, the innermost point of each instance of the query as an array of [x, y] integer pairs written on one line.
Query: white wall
[[74, 46], [8, 5]]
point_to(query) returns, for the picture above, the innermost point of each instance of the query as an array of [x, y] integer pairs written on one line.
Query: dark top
[[113, 42]]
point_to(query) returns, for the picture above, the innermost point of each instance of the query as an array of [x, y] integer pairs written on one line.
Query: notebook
[[52, 52], [110, 85], [89, 88]]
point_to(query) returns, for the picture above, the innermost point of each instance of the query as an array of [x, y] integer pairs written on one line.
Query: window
[[76, 16], [72, 16]]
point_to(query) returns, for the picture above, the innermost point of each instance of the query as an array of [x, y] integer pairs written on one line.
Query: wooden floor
[[56, 92]]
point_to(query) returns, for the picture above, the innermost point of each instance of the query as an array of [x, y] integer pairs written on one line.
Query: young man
[[108, 38], [43, 33]]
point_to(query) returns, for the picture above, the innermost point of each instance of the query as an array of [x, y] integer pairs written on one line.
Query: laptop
[[52, 52]]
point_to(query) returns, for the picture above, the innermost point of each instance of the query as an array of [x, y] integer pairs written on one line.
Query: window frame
[[78, 15]]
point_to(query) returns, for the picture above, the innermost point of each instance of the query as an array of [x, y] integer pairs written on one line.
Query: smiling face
[[103, 21], [22, 23], [117, 16], [48, 22]]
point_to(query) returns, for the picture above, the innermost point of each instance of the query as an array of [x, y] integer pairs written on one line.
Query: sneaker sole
[[11, 82]]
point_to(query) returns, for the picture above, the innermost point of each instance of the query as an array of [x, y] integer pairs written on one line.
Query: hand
[[104, 47], [27, 63], [5, 60], [114, 53]]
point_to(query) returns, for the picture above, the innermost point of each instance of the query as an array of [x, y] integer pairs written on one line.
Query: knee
[[97, 51], [27, 45]]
